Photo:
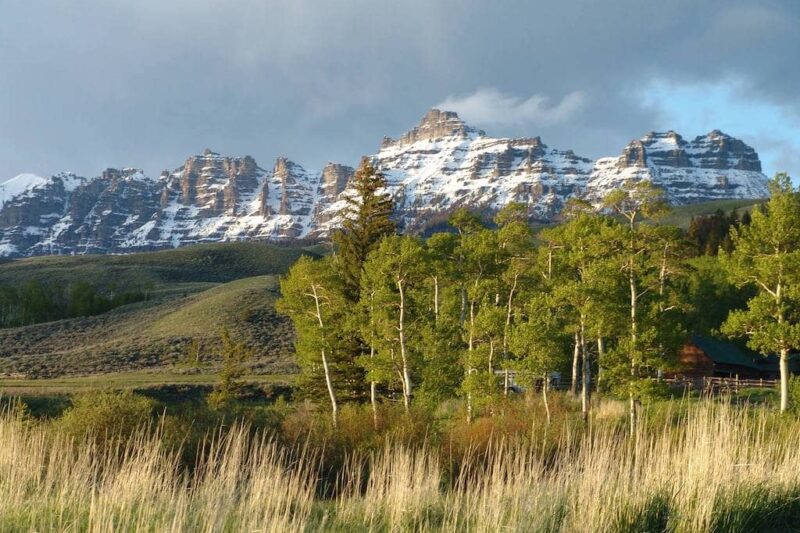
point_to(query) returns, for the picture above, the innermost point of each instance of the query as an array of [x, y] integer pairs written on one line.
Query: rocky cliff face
[[438, 166], [443, 164], [710, 167]]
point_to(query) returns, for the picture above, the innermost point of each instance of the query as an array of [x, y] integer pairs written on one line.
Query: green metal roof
[[724, 352]]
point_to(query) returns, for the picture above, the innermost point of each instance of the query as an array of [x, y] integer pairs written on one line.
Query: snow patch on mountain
[[438, 166]]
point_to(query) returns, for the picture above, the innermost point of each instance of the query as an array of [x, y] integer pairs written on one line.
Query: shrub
[[106, 415]]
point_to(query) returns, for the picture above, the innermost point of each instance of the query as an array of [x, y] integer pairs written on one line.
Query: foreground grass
[[709, 466]]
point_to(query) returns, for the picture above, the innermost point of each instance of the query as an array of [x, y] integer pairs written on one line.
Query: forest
[[606, 298], [34, 301]]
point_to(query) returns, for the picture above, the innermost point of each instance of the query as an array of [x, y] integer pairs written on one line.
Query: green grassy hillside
[[681, 216], [193, 293], [216, 263], [156, 333]]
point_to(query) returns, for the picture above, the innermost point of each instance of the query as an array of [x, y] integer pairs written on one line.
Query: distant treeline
[[711, 233], [34, 302]]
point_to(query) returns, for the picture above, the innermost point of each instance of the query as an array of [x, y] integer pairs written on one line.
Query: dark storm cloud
[[86, 84]]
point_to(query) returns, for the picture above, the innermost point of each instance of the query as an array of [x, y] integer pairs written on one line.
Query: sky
[[90, 84]]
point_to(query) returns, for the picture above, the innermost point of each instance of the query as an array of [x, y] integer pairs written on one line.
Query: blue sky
[[695, 109], [88, 84]]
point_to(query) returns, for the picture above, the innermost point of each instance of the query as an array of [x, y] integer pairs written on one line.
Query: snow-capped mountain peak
[[436, 167]]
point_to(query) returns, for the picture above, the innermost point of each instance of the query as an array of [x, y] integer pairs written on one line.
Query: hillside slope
[[157, 333], [192, 293]]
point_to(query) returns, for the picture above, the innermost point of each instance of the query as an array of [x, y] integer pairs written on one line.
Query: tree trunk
[[505, 383], [634, 340], [403, 355], [632, 412], [436, 298], [784, 352], [573, 388], [601, 350], [586, 376], [545, 385], [328, 382], [334, 406], [784, 363], [373, 397], [471, 324], [508, 314], [463, 314]]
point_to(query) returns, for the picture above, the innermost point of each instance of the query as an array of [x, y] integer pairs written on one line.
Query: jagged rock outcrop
[[438, 166], [710, 167], [443, 164]]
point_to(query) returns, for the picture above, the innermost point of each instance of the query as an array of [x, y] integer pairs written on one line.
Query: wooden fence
[[711, 385], [719, 384]]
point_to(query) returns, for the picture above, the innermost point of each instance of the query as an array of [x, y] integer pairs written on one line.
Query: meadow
[[695, 465]]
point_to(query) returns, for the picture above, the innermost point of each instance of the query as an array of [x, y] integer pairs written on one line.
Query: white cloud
[[490, 107]]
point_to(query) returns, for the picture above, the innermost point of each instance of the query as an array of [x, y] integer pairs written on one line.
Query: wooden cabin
[[709, 357]]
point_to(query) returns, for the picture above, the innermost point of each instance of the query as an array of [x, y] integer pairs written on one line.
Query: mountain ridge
[[436, 167]]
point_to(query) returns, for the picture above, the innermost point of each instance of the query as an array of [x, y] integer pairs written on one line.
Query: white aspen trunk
[[328, 382], [508, 313], [373, 397], [334, 406], [374, 400], [784, 364], [632, 413], [576, 353], [436, 297], [545, 386], [403, 355], [585, 381], [601, 350], [784, 353], [471, 324], [463, 306], [505, 383], [491, 356]]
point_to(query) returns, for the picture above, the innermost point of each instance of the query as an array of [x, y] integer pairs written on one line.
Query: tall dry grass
[[714, 467]]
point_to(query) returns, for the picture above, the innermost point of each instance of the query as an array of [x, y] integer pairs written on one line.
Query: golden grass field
[[713, 466]]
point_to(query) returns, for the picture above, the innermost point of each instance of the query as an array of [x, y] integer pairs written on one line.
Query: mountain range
[[436, 167]]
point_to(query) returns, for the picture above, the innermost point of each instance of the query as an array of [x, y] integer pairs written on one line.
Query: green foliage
[[313, 296], [710, 294], [106, 416], [767, 255], [234, 355], [539, 341], [35, 302], [708, 234], [366, 219]]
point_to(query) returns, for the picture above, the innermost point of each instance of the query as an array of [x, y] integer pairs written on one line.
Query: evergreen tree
[[767, 255], [234, 355], [365, 221]]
